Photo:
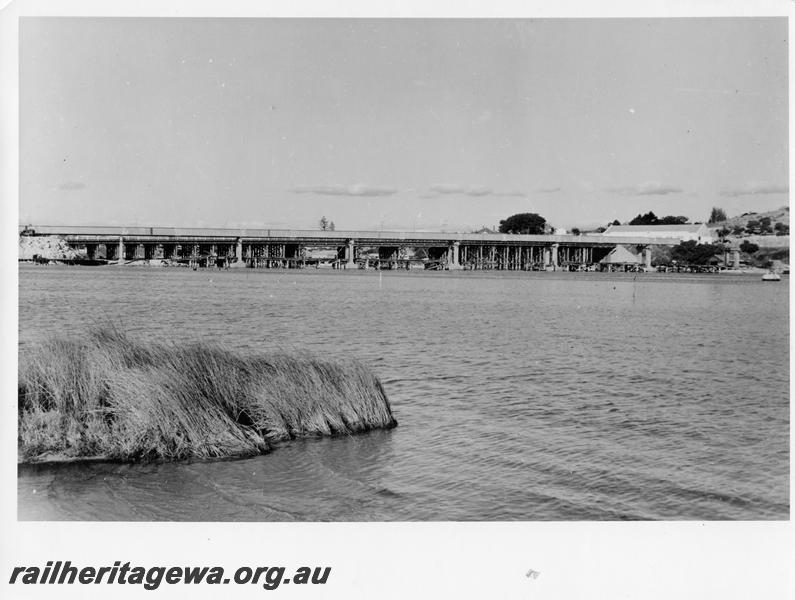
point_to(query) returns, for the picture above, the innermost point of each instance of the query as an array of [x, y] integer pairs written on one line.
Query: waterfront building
[[699, 232]]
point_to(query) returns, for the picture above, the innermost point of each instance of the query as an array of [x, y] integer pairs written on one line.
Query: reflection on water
[[527, 396]]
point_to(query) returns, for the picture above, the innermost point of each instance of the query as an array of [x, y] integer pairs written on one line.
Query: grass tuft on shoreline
[[111, 397]]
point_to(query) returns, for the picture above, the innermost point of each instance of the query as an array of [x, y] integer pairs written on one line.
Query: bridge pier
[[453, 263], [238, 262], [350, 255], [647, 258], [735, 258]]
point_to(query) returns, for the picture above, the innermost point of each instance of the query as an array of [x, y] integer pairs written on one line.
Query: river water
[[520, 396]]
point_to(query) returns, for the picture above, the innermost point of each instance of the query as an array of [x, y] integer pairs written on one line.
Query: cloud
[[648, 188], [70, 186], [511, 194], [755, 187], [357, 189], [452, 188], [439, 189]]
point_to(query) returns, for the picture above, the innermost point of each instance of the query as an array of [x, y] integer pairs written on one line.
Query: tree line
[[535, 224], [686, 253]]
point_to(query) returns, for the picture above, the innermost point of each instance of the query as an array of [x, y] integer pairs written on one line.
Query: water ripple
[[519, 396]]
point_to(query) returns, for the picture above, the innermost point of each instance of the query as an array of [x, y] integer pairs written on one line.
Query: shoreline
[[166, 264]]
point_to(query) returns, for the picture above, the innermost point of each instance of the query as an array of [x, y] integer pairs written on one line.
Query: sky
[[400, 124]]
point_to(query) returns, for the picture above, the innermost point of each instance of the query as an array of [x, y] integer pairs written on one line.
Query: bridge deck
[[89, 234]]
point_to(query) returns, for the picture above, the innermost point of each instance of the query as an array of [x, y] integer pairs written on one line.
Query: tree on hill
[[693, 253], [748, 247], [648, 219], [673, 220], [651, 219], [523, 223], [717, 215]]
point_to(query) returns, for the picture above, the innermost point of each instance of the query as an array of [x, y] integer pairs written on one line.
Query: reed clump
[[109, 396]]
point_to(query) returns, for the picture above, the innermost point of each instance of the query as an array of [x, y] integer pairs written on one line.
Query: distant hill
[[780, 215]]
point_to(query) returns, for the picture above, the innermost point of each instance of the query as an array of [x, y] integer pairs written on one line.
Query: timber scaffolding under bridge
[[289, 248]]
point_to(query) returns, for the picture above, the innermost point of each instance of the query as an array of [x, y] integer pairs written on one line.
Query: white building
[[685, 233]]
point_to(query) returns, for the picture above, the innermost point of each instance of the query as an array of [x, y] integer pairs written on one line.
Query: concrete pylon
[[351, 262], [647, 258], [553, 256], [453, 263], [735, 258], [121, 249], [238, 255]]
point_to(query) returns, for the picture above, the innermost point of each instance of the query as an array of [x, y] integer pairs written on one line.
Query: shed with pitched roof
[[698, 232], [621, 256]]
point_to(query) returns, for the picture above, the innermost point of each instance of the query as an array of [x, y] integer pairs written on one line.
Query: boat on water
[[771, 276]]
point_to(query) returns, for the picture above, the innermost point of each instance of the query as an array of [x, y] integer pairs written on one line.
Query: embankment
[[50, 247], [109, 397]]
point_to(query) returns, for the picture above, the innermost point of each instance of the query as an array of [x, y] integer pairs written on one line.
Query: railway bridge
[[271, 248]]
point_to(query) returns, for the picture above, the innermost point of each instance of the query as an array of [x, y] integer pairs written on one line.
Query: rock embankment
[[51, 247]]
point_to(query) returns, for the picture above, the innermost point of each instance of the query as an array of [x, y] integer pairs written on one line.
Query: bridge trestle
[[292, 249]]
